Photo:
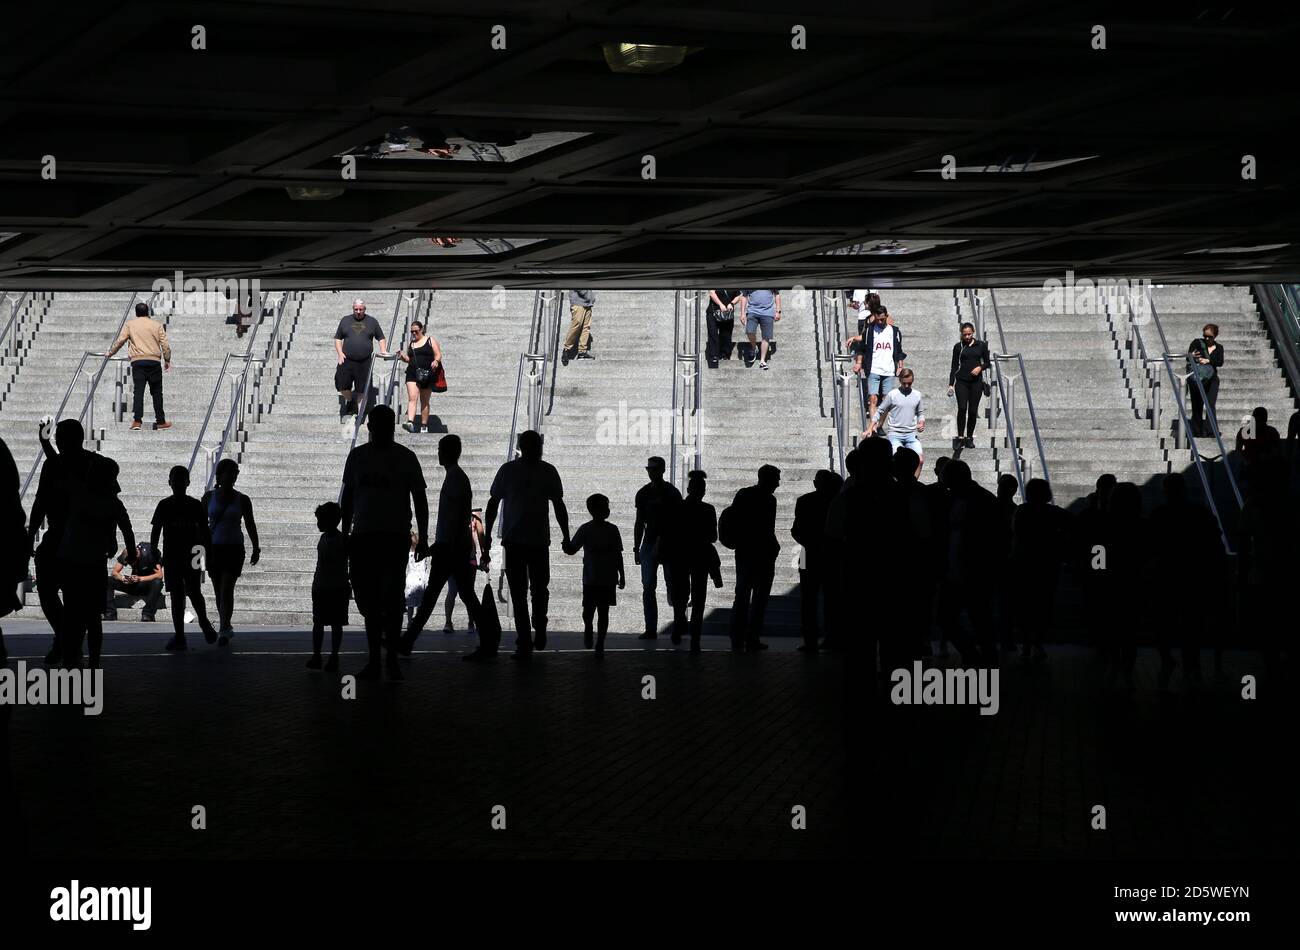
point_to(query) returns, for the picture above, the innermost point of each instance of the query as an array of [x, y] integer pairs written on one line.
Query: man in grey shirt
[[579, 335], [354, 347], [902, 407]]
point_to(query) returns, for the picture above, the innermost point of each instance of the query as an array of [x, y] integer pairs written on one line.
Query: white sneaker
[[763, 365]]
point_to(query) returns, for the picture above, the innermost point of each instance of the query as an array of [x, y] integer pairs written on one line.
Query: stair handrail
[[686, 376], [239, 389], [87, 404], [529, 362], [977, 303], [1167, 359], [9, 334], [1187, 361], [1279, 305]]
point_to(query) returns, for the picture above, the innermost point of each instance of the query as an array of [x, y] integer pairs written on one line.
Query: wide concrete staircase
[[752, 417], [609, 414], [67, 326], [293, 459], [930, 325], [1085, 413], [1251, 375]]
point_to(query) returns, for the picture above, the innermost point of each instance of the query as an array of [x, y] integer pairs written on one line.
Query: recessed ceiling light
[[642, 58], [312, 192]]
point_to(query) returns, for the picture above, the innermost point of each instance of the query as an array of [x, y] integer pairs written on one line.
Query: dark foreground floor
[[585, 767]]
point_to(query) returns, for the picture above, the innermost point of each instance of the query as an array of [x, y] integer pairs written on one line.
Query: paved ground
[[586, 767]]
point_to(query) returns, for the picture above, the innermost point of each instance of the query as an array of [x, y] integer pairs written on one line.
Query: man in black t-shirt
[[354, 346], [145, 582]]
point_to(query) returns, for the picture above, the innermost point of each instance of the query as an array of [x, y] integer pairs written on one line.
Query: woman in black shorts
[[424, 356]]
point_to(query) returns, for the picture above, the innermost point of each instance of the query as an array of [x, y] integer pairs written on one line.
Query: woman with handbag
[[966, 380], [424, 356], [1206, 357]]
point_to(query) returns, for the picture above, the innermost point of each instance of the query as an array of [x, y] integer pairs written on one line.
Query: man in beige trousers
[[150, 356], [578, 339]]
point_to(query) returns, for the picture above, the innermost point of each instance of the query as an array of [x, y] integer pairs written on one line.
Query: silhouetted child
[[330, 592], [602, 568], [183, 523]]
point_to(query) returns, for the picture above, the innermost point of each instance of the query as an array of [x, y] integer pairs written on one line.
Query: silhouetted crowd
[[885, 559]]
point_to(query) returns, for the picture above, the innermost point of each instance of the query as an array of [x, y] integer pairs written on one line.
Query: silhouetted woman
[[1205, 351], [228, 512], [424, 356], [966, 379]]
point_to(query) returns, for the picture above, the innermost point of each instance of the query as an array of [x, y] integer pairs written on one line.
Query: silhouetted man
[[756, 553], [921, 507], [971, 518], [656, 506], [452, 555], [382, 482], [815, 571], [1040, 536], [77, 495], [1191, 548], [694, 559], [528, 486]]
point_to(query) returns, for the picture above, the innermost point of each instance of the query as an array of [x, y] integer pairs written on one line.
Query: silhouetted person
[[1189, 546], [869, 506], [229, 512], [816, 574], [656, 504], [1257, 440], [602, 569], [452, 554], [77, 495], [382, 483], [1123, 583], [529, 486], [971, 519], [183, 525], [922, 508], [1088, 543], [330, 588], [756, 552], [145, 583], [1040, 537], [1004, 593], [14, 547], [694, 558], [1267, 560]]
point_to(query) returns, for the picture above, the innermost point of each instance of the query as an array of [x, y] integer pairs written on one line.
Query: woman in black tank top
[[423, 356]]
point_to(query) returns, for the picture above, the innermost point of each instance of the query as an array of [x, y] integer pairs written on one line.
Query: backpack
[[729, 527]]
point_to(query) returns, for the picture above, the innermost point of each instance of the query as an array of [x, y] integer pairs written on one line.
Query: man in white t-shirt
[[528, 486], [880, 357], [382, 482]]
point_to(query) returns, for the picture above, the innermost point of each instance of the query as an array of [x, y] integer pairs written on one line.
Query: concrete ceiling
[[766, 157]]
